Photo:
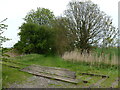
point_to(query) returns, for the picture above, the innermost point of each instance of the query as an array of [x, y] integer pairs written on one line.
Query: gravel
[[41, 82]]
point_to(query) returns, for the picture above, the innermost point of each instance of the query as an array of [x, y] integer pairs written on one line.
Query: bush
[[35, 39]]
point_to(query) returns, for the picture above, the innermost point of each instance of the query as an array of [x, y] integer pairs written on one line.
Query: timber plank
[[52, 71], [52, 76], [103, 76]]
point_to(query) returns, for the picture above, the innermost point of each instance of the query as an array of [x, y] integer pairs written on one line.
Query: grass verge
[[12, 75]]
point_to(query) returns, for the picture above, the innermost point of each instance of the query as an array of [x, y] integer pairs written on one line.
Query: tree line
[[83, 26]]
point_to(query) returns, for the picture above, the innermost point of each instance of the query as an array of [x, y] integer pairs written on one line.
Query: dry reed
[[92, 58]]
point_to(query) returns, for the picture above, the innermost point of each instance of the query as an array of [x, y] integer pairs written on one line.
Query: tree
[[35, 39], [61, 43], [36, 34], [41, 16], [2, 27], [2, 38], [87, 25]]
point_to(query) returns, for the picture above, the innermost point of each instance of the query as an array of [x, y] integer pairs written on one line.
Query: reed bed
[[92, 58]]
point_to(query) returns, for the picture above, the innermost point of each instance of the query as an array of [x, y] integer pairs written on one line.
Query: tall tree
[[88, 25], [41, 16], [36, 35], [61, 41]]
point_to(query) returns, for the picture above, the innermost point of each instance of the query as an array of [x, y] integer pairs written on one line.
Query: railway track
[[86, 81]]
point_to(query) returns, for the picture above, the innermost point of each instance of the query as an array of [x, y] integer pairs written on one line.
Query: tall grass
[[92, 58]]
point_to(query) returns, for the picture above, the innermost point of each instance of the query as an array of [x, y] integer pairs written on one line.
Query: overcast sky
[[16, 10]]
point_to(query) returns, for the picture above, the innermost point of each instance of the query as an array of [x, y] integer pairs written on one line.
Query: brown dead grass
[[92, 58]]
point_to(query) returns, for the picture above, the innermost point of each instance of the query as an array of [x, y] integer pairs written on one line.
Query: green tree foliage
[[36, 35], [88, 25], [41, 16], [83, 26], [35, 39], [61, 40], [2, 28], [2, 38]]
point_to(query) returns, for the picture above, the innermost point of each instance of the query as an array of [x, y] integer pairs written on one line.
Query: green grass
[[11, 75], [107, 51], [55, 61], [0, 76]]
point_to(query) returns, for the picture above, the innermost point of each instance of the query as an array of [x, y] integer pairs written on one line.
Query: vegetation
[[2, 28], [94, 58], [2, 39], [55, 61], [41, 16], [0, 76], [61, 42], [35, 39], [88, 26], [83, 40], [82, 27], [11, 75]]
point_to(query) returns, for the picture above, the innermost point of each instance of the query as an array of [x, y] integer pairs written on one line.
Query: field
[[55, 61]]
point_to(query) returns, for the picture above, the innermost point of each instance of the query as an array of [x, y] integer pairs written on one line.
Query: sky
[[16, 10]]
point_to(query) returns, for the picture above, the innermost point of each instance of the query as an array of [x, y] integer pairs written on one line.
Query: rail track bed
[[84, 80]]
